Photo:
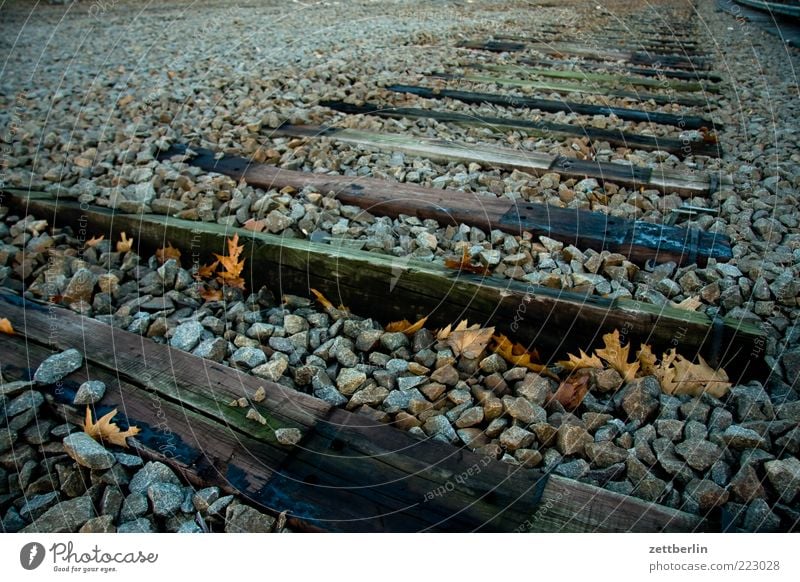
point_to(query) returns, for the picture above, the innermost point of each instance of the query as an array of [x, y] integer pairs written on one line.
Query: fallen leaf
[[168, 252], [106, 431], [206, 271], [322, 300], [255, 225], [210, 294], [647, 359], [573, 390], [678, 375], [94, 241], [617, 356], [584, 360], [125, 244], [516, 354], [469, 341], [231, 265], [689, 304], [6, 327], [406, 327], [335, 312], [465, 264]]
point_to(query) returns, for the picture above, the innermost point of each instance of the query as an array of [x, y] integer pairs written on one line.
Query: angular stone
[[37, 505], [605, 454], [58, 366], [214, 349], [706, 494], [141, 525], [272, 370], [699, 454], [515, 437], [439, 428], [165, 498], [784, 475], [90, 392], [572, 439], [746, 485], [470, 417], [88, 452], [152, 472], [349, 380], [371, 396], [102, 524], [641, 399], [535, 388], [521, 409], [288, 436], [249, 357], [65, 517], [446, 375], [738, 437], [671, 429], [186, 336], [241, 518], [203, 499], [760, 518]]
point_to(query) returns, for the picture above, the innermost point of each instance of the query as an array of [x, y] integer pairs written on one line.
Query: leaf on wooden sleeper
[[573, 390], [125, 244], [106, 431], [253, 414], [617, 356], [168, 252], [6, 327], [406, 327], [583, 360]]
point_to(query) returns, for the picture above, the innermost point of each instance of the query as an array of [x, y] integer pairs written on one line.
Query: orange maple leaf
[[6, 327], [584, 360], [206, 271], [466, 340], [334, 312], [125, 244], [168, 252], [573, 390], [406, 326], [210, 294], [515, 354], [231, 265], [106, 431]]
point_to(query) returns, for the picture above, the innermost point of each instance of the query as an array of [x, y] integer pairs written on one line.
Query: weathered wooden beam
[[635, 177], [415, 289], [643, 71], [347, 474], [552, 106], [604, 78], [588, 52], [586, 89], [540, 128], [689, 48]]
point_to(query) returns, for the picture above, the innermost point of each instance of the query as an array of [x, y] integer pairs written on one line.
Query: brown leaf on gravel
[[678, 375], [210, 294], [168, 252], [231, 265], [465, 264], [467, 340], [573, 390], [106, 431], [125, 244], [516, 354], [94, 241], [405, 326], [206, 271], [583, 360], [647, 359]]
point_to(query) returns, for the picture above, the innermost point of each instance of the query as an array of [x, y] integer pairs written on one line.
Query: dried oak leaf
[[206, 271], [125, 244], [334, 312], [94, 241], [465, 264], [584, 360], [106, 431], [647, 359], [573, 390], [209, 294], [168, 252], [406, 327], [516, 354], [255, 225], [6, 327], [467, 340], [617, 356], [231, 265], [678, 375]]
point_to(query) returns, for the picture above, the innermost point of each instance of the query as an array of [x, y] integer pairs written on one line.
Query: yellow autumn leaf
[[617, 356], [406, 327], [231, 265], [106, 431], [206, 271], [322, 300], [583, 360], [6, 327], [647, 359], [94, 241], [125, 244], [515, 354]]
